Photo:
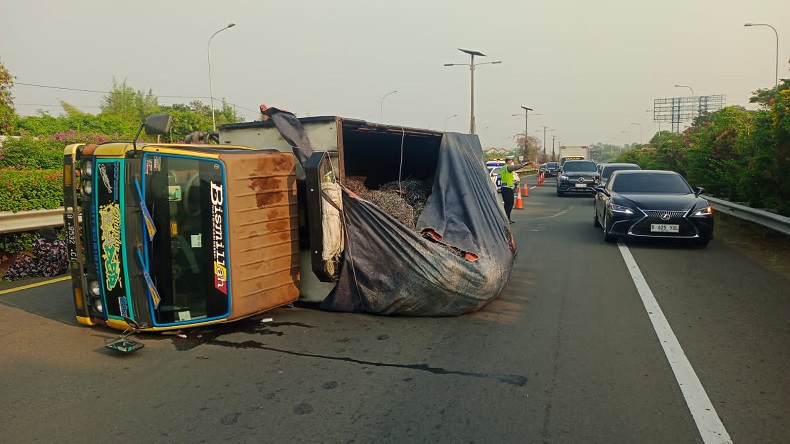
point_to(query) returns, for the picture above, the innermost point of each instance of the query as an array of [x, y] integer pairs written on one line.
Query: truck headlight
[[97, 305], [87, 168], [94, 288], [87, 188]]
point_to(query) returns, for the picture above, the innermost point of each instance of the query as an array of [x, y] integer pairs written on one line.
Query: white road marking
[[708, 423]]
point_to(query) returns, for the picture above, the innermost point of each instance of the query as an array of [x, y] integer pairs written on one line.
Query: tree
[[8, 115], [766, 96], [129, 105], [530, 152]]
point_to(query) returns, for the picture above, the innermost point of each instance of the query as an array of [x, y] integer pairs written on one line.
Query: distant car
[[577, 177], [610, 168], [552, 168], [652, 204], [542, 169]]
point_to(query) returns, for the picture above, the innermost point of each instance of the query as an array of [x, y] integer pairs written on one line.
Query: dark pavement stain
[[518, 380], [230, 419], [201, 335], [330, 385], [303, 409], [211, 334]]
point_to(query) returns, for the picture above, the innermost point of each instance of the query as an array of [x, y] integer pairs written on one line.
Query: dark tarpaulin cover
[[390, 269]]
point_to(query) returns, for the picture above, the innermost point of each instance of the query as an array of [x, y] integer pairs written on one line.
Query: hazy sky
[[589, 68]]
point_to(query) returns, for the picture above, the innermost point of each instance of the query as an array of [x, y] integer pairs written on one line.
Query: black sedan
[[652, 204]]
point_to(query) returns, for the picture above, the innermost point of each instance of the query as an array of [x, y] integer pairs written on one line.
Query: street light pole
[[640, 131], [777, 47], [382, 103], [526, 133], [544, 141], [692, 100], [471, 66], [629, 138], [552, 145], [210, 87]]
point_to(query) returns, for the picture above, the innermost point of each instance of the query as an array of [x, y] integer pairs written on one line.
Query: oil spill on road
[[507, 379], [210, 335], [202, 335]]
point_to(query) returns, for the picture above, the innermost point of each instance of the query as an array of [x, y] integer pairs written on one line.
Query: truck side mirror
[[158, 124]]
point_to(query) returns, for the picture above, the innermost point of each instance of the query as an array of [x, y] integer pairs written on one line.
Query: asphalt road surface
[[569, 353]]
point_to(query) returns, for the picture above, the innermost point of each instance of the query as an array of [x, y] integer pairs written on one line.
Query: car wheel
[[605, 224], [702, 243], [559, 193]]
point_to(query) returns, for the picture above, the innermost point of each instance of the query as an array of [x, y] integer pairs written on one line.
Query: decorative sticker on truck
[[110, 234], [218, 237], [108, 249]]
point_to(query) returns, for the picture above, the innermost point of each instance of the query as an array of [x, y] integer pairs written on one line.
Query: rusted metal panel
[[263, 223]]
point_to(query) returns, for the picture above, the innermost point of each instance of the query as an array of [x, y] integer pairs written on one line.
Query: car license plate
[[664, 228], [580, 185]]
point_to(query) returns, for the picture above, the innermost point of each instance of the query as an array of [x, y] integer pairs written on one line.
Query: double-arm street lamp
[[471, 66], [777, 47], [382, 103], [526, 132], [210, 88]]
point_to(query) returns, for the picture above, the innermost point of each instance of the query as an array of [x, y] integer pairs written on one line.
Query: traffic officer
[[507, 180]]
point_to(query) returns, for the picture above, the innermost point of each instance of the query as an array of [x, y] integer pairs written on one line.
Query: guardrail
[[760, 217], [30, 220]]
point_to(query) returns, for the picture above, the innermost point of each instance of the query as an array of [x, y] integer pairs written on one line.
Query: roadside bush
[[31, 153], [14, 243], [23, 190]]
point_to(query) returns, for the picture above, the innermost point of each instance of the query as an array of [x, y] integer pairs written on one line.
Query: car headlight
[[87, 168], [707, 211], [564, 178], [620, 209]]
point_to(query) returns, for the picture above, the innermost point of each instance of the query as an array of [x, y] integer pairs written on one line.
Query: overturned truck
[[358, 182], [351, 215]]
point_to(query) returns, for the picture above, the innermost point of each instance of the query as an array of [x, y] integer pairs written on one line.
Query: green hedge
[[23, 190], [31, 153]]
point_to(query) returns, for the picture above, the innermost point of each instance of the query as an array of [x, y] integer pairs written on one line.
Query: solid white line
[[708, 423]]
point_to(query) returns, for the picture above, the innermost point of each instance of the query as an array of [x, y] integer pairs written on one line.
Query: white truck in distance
[[573, 153]]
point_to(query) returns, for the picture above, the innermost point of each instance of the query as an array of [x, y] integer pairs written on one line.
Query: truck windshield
[[187, 256]]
